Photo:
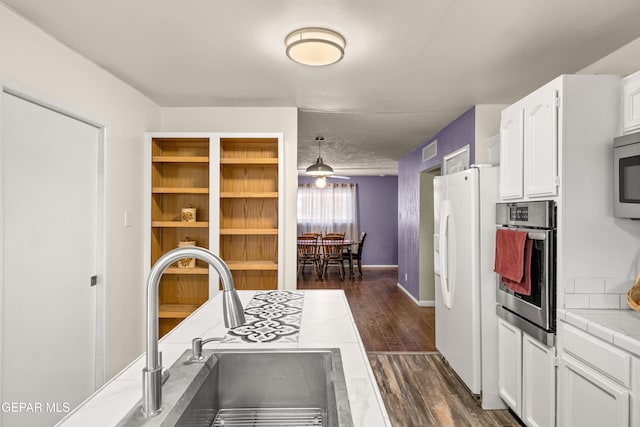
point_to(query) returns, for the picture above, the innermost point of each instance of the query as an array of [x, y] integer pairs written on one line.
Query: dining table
[[346, 244]]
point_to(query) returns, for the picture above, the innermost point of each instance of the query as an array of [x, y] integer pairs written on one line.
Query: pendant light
[[319, 168]]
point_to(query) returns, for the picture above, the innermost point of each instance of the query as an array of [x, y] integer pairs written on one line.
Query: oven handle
[[532, 233], [445, 214]]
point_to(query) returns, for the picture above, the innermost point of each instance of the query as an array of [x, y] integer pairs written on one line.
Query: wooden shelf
[[250, 161], [196, 270], [249, 195], [252, 265], [176, 311], [179, 190], [247, 231], [180, 159], [180, 224]]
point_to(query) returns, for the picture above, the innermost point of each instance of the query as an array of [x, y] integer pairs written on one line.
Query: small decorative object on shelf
[[633, 296], [186, 262], [188, 214]]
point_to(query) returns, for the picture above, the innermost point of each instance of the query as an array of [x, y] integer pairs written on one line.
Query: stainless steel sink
[[303, 387]]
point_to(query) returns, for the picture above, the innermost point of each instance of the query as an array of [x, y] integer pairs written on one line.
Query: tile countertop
[[326, 322], [618, 327]]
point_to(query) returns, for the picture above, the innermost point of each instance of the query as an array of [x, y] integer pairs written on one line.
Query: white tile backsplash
[[596, 293], [604, 301], [583, 285]]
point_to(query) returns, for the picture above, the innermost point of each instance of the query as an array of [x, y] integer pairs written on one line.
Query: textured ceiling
[[410, 66]]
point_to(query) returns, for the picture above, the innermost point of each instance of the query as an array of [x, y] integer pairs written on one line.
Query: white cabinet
[[511, 152], [631, 103], [510, 365], [538, 383], [526, 376], [586, 398], [555, 136], [594, 381], [529, 146], [541, 142]]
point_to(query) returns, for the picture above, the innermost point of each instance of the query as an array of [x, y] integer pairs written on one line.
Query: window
[[329, 209]]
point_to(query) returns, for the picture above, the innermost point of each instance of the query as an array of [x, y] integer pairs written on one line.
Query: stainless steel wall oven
[[534, 313]]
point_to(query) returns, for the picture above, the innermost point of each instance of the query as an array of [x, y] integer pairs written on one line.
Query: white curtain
[[330, 209]]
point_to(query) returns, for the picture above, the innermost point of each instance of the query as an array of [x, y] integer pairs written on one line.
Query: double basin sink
[[253, 388]]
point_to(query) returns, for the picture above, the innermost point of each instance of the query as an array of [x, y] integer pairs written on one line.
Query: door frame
[[15, 88]]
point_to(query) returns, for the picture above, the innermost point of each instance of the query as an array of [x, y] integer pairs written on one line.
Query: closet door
[[49, 254]]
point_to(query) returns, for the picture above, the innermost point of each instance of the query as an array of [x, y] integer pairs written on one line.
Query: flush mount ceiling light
[[319, 168], [315, 46]]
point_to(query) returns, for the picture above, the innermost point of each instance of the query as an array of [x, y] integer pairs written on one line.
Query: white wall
[[285, 120], [35, 59]]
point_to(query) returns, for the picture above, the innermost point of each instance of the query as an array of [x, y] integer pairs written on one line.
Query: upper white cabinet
[[529, 150], [571, 110], [511, 152], [631, 103], [541, 142]]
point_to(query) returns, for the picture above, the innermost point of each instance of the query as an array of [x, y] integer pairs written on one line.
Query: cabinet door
[[631, 102], [538, 383], [510, 365], [588, 399], [511, 153], [541, 143]]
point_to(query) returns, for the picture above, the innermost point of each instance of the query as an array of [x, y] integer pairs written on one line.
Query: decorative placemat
[[272, 316]]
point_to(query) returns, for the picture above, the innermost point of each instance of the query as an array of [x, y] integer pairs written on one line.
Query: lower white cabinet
[[595, 381], [526, 376], [587, 398], [510, 365]]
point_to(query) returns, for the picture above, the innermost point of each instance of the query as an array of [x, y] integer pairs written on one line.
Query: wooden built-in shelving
[[249, 210], [179, 178]]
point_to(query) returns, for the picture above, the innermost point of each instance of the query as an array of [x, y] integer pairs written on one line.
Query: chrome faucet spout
[[232, 311]]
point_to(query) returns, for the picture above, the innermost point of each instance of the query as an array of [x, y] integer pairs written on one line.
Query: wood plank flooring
[[418, 387], [387, 319]]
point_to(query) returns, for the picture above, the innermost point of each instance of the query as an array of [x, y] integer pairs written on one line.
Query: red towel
[[513, 260], [522, 287]]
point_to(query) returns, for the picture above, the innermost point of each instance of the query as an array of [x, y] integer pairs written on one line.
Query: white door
[[588, 399], [538, 383], [510, 365], [541, 142], [511, 153], [49, 212], [457, 285]]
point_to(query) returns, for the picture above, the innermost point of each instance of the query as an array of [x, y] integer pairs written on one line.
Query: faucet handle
[[196, 348]]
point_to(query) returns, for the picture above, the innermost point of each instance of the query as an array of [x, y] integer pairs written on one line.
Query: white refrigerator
[[465, 284]]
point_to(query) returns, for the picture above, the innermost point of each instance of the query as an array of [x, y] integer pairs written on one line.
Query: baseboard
[[379, 267], [422, 303]]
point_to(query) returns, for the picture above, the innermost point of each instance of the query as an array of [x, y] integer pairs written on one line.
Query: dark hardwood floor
[[417, 386], [387, 319]]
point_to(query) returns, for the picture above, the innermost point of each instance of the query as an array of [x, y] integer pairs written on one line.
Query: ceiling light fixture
[[319, 168], [315, 46], [321, 182]]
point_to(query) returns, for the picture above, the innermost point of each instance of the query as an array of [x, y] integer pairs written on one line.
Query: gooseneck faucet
[[232, 311]]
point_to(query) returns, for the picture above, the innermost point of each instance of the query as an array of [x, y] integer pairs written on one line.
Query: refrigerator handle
[[445, 214]]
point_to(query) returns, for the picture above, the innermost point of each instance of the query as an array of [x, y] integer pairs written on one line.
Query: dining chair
[[308, 254], [332, 254], [357, 255]]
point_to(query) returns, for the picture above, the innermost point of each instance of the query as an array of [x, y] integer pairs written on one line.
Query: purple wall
[[456, 135], [378, 217]]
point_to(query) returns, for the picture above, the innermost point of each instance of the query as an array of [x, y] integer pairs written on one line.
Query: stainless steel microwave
[[626, 176]]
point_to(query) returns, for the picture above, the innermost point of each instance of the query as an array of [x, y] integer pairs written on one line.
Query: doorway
[[51, 260], [426, 265]]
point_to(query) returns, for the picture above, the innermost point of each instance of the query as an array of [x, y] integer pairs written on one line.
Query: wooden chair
[[356, 256], [308, 253], [332, 254]]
